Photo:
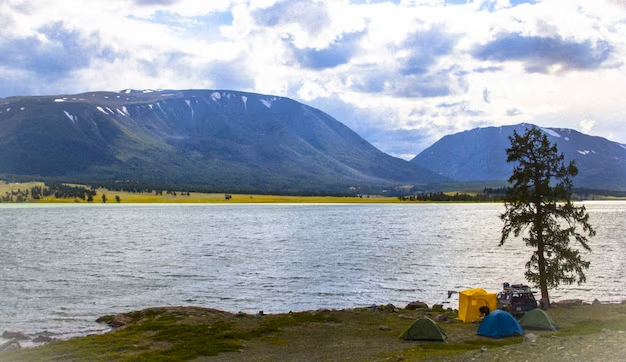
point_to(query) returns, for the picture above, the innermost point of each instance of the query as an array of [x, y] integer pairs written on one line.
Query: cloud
[[155, 2], [540, 53], [230, 74], [54, 52], [435, 84], [311, 15], [371, 123], [586, 125], [487, 69], [413, 70], [486, 96], [337, 53], [425, 48], [167, 60], [513, 112]]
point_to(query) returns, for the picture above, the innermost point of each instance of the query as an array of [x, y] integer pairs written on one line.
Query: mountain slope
[[479, 154], [215, 138]]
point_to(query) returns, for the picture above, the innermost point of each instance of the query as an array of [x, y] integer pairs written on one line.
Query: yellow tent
[[470, 302]]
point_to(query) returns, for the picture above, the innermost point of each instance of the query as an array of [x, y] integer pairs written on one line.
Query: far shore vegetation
[[40, 192]]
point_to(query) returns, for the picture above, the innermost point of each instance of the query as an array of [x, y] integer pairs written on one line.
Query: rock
[[438, 307], [384, 328], [387, 308], [441, 318], [15, 335], [43, 339], [596, 302], [115, 321], [416, 305], [530, 337], [568, 303], [483, 349], [10, 346], [606, 331]]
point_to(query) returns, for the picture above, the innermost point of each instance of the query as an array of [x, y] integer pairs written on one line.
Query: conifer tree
[[538, 207]]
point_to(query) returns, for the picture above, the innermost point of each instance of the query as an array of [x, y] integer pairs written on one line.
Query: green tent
[[424, 329], [538, 319]]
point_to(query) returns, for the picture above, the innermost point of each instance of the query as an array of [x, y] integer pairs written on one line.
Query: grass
[[8, 187], [192, 333], [200, 198]]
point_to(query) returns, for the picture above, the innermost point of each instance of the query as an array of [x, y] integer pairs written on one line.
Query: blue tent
[[498, 324]]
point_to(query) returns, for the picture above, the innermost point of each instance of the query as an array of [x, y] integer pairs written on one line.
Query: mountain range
[[221, 139], [238, 141]]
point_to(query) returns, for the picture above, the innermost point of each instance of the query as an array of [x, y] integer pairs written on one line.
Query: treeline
[[458, 197], [14, 196], [59, 191]]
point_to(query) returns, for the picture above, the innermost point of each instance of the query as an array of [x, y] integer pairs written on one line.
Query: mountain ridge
[[218, 138], [479, 154]]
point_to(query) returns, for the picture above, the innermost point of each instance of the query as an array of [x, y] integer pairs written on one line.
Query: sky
[[402, 74]]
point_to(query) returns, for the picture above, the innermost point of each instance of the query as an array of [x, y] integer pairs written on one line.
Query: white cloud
[[223, 44], [586, 125]]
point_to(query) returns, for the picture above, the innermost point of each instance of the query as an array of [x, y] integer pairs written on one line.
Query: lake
[[62, 266]]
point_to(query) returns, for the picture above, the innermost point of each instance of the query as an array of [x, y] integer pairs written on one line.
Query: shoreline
[[364, 333]]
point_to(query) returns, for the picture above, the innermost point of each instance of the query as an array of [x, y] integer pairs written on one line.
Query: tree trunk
[[543, 283]]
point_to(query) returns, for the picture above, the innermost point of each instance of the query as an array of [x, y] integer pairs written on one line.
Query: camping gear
[[424, 329], [499, 324], [470, 302], [538, 319]]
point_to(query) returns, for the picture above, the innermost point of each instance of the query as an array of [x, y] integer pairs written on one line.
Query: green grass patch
[[159, 335]]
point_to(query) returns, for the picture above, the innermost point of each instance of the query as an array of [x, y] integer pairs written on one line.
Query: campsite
[[587, 332]]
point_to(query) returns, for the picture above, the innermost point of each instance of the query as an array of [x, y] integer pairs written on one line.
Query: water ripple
[[64, 266]]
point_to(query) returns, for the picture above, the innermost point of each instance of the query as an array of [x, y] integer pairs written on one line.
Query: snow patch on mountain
[[189, 104], [623, 146], [245, 102], [268, 102], [71, 117], [110, 110], [101, 110], [584, 152], [216, 96], [59, 100], [551, 132], [566, 138]]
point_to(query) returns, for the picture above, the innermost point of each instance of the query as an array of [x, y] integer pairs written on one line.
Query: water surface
[[62, 266]]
